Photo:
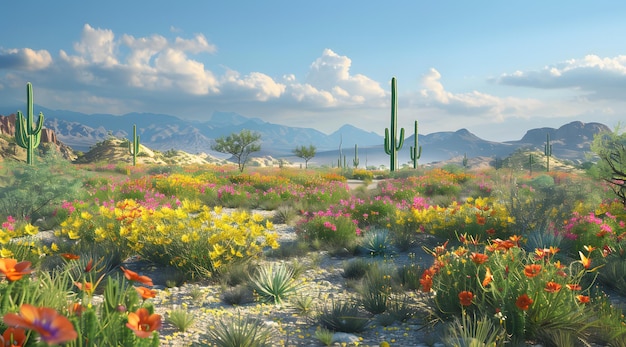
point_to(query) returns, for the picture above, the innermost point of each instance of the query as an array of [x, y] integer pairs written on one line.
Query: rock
[[345, 338]]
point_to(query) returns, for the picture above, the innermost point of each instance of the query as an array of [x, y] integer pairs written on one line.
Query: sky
[[496, 68]]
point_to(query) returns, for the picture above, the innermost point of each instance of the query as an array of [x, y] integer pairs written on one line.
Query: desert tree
[[610, 146], [305, 153], [240, 146]]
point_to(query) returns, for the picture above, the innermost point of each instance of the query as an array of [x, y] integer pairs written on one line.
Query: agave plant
[[275, 282]]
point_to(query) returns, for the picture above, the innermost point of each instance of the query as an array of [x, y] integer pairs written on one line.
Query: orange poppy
[[532, 270], [584, 260], [552, 287], [479, 258], [77, 309], [52, 327], [133, 276], [466, 297], [13, 270], [142, 323], [14, 337], [70, 256], [523, 302], [87, 287], [516, 239], [480, 220], [574, 286], [146, 293], [583, 299], [488, 278]]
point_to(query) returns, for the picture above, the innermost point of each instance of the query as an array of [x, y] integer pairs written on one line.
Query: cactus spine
[[416, 151], [392, 143], [28, 135], [355, 161], [133, 147], [548, 152]]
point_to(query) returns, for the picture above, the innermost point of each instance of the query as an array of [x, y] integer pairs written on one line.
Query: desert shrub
[[469, 330], [336, 230], [377, 243], [181, 318], [362, 174], [408, 276], [356, 268], [240, 331], [238, 295]]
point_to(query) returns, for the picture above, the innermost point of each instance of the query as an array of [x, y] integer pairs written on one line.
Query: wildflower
[[13, 270], [488, 278], [133, 276], [466, 297], [573, 286], [70, 256], [142, 323], [52, 327], [87, 287], [523, 302], [532, 270], [480, 220], [13, 337], [89, 265], [146, 293], [584, 260], [583, 299], [77, 308], [479, 258], [552, 287]]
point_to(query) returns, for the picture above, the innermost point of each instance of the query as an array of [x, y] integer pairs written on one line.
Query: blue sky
[[496, 68]]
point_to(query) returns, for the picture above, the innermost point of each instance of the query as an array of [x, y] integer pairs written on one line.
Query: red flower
[[583, 299], [13, 337], [523, 302], [552, 287], [574, 286], [70, 256], [146, 293], [13, 270], [466, 297], [143, 323], [88, 287], [52, 327], [133, 276], [532, 270], [479, 258], [89, 265], [480, 220]]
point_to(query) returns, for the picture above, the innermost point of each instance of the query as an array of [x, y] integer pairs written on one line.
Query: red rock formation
[[7, 127]]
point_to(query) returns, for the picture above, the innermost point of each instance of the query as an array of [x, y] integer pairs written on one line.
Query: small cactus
[[416, 151], [548, 152], [392, 143], [133, 146], [465, 160], [355, 161], [27, 134]]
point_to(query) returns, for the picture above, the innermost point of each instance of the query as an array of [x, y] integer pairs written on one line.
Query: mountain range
[[164, 132]]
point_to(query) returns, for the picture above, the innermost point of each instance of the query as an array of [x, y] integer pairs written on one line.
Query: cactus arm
[[387, 142]]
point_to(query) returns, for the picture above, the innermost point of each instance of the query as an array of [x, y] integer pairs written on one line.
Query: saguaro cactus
[[531, 161], [392, 143], [548, 152], [465, 160], [27, 134], [355, 161], [133, 146], [416, 151]]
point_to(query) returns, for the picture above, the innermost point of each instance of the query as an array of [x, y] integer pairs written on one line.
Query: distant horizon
[[494, 68]]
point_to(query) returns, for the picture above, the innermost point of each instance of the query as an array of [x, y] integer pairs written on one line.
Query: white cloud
[[25, 59], [254, 86], [596, 77]]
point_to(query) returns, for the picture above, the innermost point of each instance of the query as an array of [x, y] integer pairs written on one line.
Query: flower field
[[511, 258]]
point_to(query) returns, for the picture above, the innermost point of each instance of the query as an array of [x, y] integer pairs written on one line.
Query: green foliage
[[332, 231], [377, 243], [325, 336], [240, 146], [416, 151], [237, 295], [302, 303], [274, 282], [344, 316], [133, 146], [239, 331], [27, 133], [408, 276], [356, 268], [181, 318], [34, 193], [306, 153], [611, 148], [392, 143], [472, 331]]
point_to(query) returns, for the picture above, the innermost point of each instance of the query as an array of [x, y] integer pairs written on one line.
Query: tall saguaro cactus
[[133, 146], [27, 134], [392, 143], [416, 151], [548, 152], [355, 161]]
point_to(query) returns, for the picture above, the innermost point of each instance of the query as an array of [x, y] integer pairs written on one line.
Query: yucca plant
[[182, 319], [472, 331], [344, 316], [239, 331], [377, 243], [274, 282], [355, 269]]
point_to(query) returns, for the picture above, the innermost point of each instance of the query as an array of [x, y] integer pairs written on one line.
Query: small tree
[[611, 148], [240, 146], [305, 153]]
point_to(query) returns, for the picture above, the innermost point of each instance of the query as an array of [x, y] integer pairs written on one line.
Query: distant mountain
[[164, 132]]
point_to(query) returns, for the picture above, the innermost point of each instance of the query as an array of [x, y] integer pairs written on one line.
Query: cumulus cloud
[[24, 59], [473, 103], [254, 86], [597, 77]]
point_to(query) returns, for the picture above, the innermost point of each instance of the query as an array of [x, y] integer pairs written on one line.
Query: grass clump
[[274, 282], [344, 316], [182, 319], [240, 331]]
